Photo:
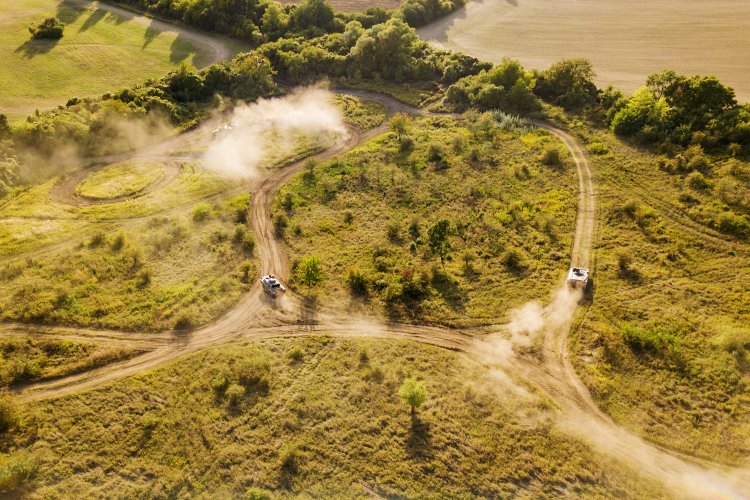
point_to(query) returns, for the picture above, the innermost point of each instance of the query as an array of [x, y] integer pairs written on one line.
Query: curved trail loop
[[64, 191], [257, 317]]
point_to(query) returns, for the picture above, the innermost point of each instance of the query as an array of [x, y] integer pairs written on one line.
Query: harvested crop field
[[626, 40]]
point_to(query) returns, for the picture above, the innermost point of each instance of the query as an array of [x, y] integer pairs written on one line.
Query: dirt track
[[256, 317]]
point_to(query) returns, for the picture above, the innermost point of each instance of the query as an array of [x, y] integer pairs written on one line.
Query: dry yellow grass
[[625, 39]]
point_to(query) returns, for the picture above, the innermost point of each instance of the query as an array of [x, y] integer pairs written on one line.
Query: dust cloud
[[269, 126]]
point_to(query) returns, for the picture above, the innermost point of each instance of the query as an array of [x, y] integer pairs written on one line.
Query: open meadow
[[103, 49], [625, 40]]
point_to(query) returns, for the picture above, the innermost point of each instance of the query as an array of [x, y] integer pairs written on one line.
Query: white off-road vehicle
[[227, 127], [578, 277], [271, 285]]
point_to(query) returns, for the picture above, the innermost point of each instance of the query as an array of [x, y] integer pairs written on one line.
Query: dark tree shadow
[[419, 442], [150, 35], [631, 275], [69, 12], [448, 289], [181, 49], [310, 309], [32, 48], [92, 20]]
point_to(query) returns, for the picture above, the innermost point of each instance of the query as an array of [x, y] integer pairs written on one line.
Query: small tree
[[414, 393], [438, 238], [51, 28], [309, 271], [399, 125]]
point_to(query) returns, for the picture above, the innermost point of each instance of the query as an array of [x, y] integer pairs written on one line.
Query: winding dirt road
[[257, 317]]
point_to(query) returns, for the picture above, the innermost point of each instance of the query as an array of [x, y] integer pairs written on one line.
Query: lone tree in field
[[51, 28], [414, 393], [309, 272], [399, 125], [438, 239]]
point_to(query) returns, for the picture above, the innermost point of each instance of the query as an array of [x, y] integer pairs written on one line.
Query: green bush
[[17, 469], [234, 394], [51, 28], [657, 339], [359, 284], [309, 272], [551, 157], [8, 412], [201, 212]]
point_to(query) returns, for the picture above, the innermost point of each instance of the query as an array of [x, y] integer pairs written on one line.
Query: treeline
[[680, 110], [260, 21], [390, 51]]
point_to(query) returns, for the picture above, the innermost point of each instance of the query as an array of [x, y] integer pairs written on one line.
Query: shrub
[[551, 157], [184, 322], [201, 212], [358, 282], [296, 354], [17, 469], [253, 374], [97, 240], [657, 339], [247, 271], [598, 148], [697, 181], [234, 394], [8, 412], [51, 29], [257, 493], [241, 236], [309, 272], [118, 243]]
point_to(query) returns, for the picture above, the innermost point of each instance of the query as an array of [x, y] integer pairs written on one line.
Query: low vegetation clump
[[50, 28], [28, 360], [363, 113], [425, 233], [249, 423]]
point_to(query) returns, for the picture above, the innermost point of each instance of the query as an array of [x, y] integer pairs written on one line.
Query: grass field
[[102, 50], [664, 345], [625, 40], [315, 416], [367, 217]]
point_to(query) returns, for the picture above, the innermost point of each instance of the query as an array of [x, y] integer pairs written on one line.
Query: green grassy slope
[[99, 52], [665, 344], [370, 212]]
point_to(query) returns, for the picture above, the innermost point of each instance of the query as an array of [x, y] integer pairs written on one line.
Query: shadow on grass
[[69, 12], [150, 35], [92, 20], [419, 442], [181, 49], [448, 289], [32, 48]]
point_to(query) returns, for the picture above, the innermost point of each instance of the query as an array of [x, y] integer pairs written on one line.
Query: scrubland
[[367, 217]]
